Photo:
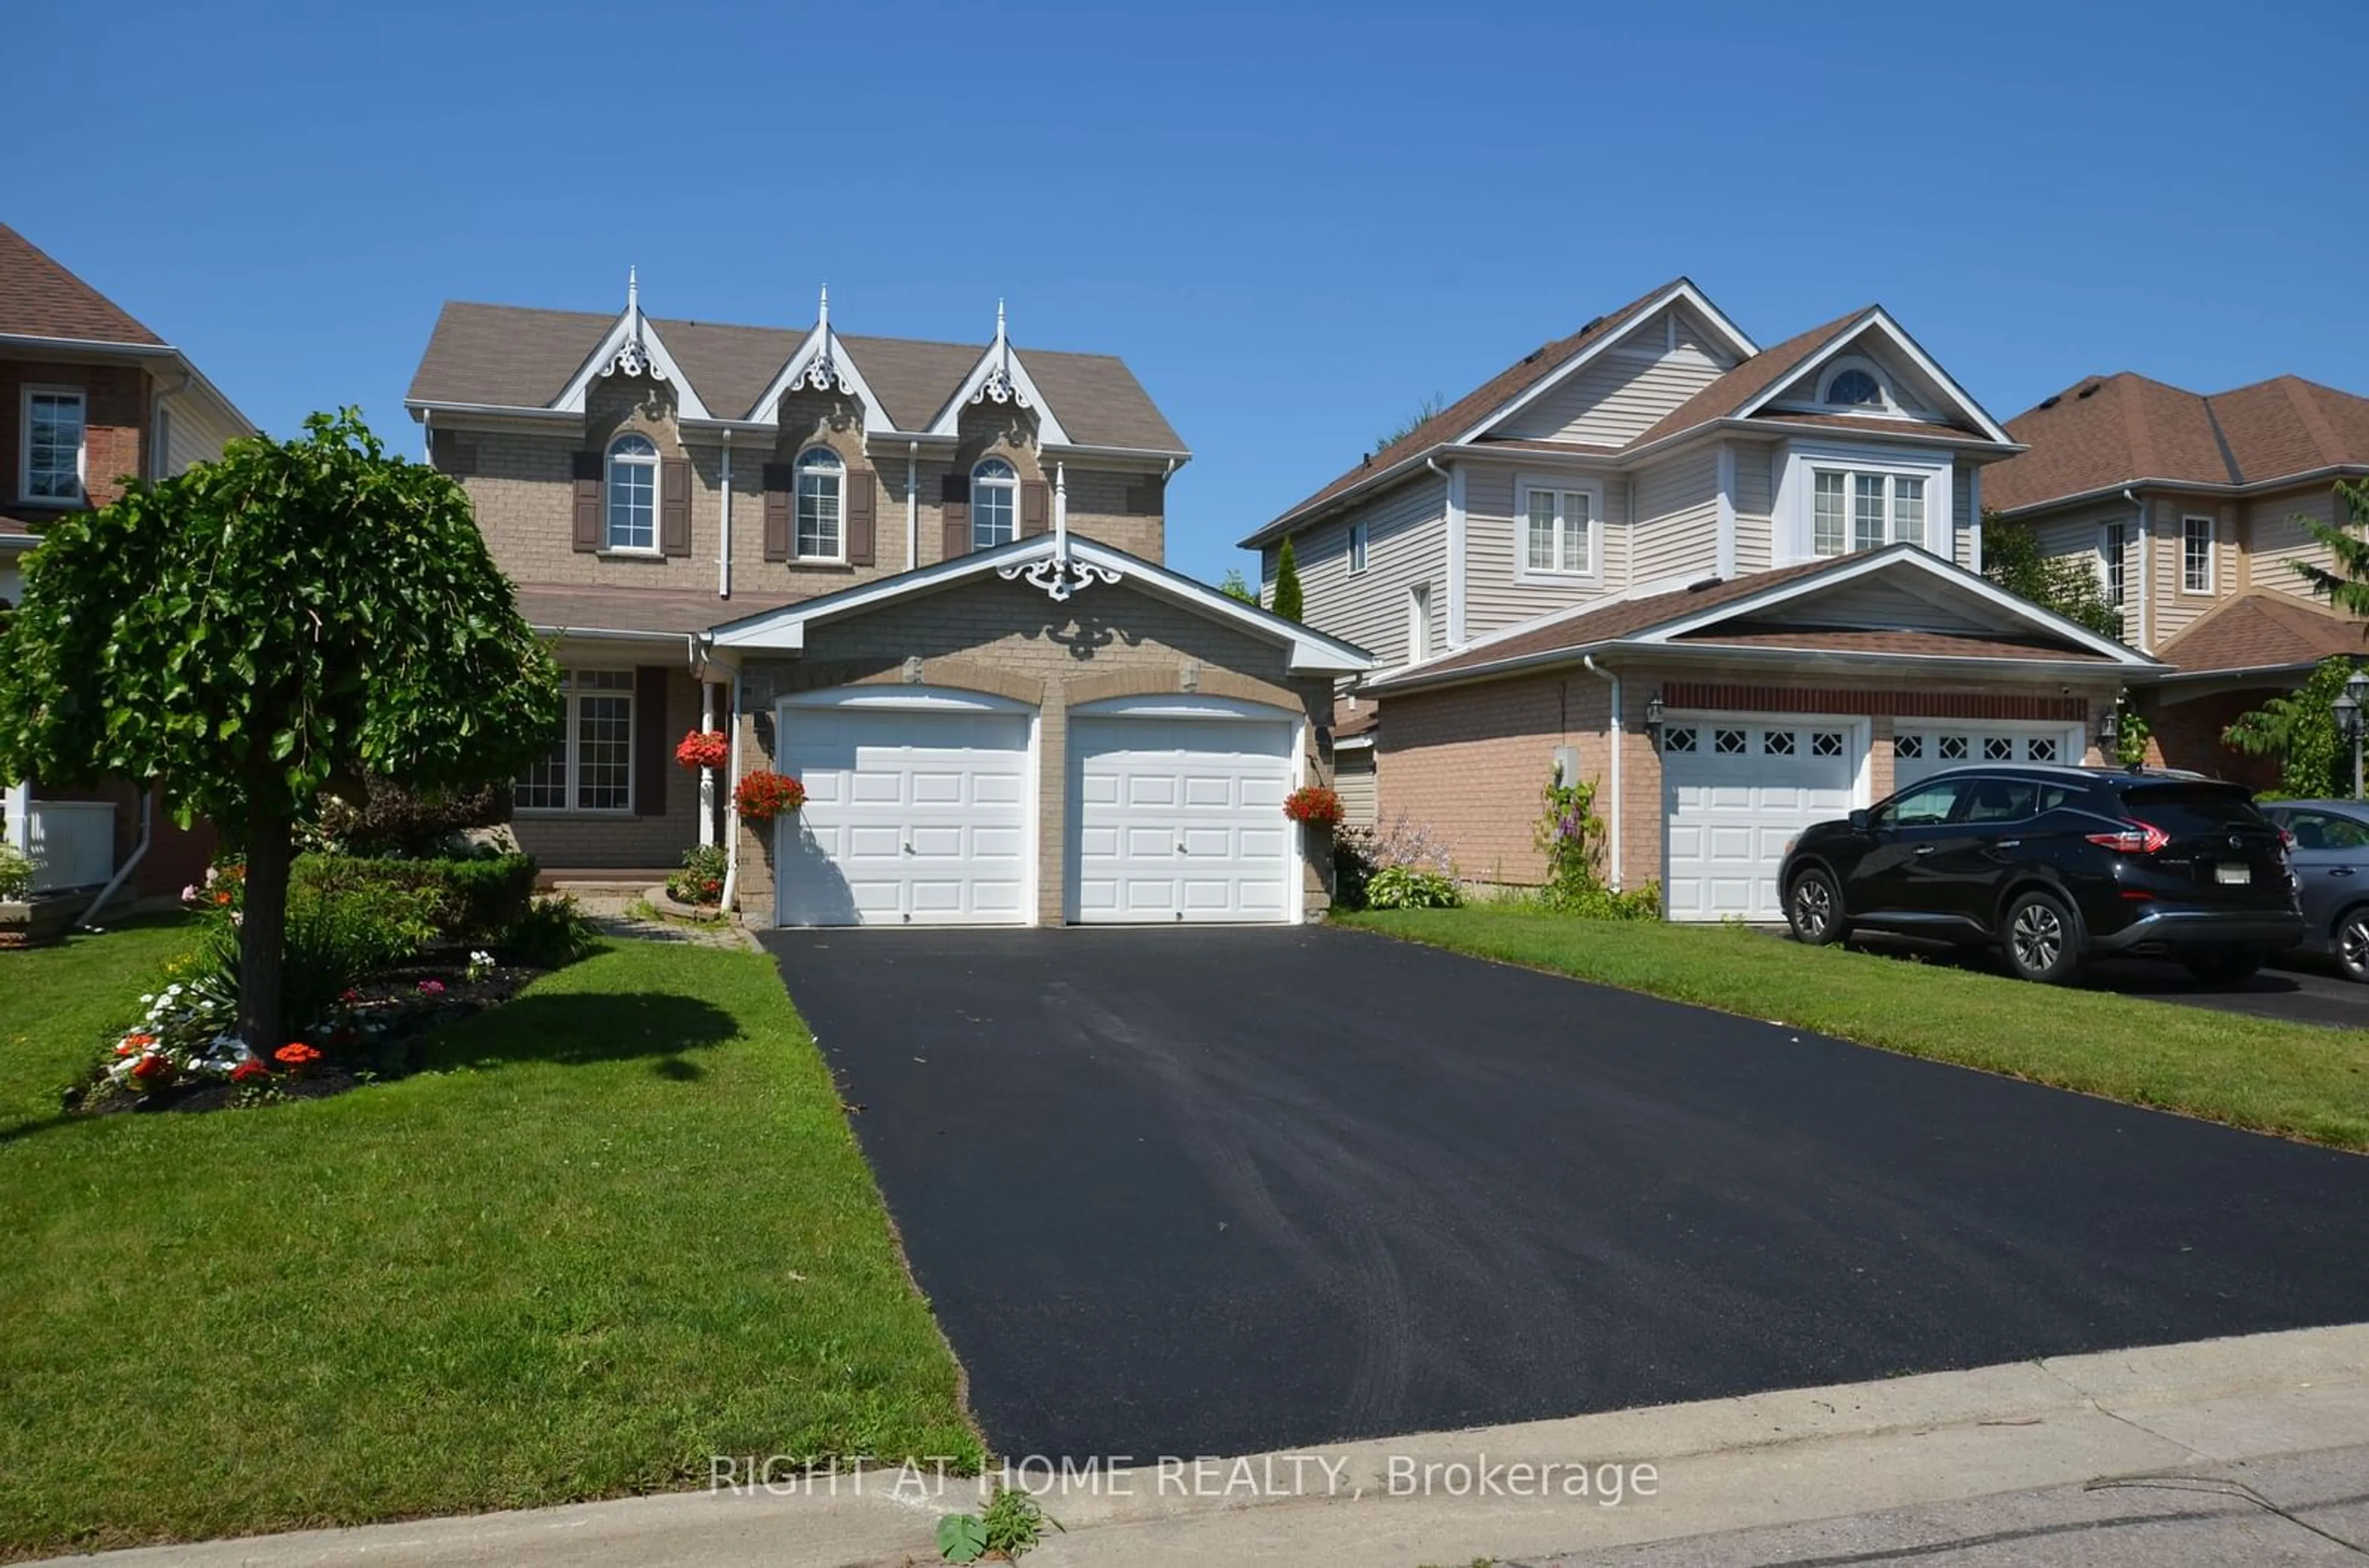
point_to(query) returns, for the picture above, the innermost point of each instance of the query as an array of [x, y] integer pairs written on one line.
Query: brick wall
[[522, 487], [1011, 641], [2188, 734], [115, 412]]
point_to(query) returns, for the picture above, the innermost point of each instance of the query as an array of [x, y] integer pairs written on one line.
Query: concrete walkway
[[1851, 1474], [628, 913]]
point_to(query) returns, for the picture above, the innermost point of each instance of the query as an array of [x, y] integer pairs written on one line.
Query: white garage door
[[1918, 749], [1179, 818], [1734, 793], [913, 816]]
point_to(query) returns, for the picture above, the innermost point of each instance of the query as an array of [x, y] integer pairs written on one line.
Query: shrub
[[337, 935], [1358, 852], [394, 820], [551, 934], [1571, 835], [15, 874], [469, 900], [1410, 888], [701, 880]]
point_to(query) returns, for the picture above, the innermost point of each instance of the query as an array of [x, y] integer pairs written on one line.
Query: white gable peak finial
[[823, 372], [633, 287], [633, 357], [1000, 386], [822, 311]]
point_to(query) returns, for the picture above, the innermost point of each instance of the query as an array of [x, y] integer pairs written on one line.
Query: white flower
[[173, 991], [147, 999]]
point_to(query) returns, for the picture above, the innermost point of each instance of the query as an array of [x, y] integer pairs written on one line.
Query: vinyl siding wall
[[2275, 541], [1495, 597], [2076, 535], [1961, 545], [1620, 394], [2173, 607], [1756, 504], [1406, 544], [1676, 528]]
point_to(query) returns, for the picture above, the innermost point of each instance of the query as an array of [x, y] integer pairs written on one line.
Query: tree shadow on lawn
[[579, 1030]]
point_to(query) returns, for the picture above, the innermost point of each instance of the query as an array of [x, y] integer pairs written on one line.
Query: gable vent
[[2089, 389], [2052, 400]]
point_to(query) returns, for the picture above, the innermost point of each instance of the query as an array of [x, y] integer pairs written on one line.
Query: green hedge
[[471, 901]]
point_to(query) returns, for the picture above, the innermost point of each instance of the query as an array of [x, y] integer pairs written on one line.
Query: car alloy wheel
[[1813, 909], [2038, 937], [2353, 946]]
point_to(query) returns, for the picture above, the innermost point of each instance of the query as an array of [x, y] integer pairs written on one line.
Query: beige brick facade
[[1010, 640], [1471, 761]]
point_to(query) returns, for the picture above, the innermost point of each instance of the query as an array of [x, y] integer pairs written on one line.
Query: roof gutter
[[131, 350], [2122, 488]]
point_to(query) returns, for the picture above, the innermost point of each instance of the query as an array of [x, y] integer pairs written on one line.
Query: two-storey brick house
[[90, 399], [901, 569], [1736, 587], [2188, 505]]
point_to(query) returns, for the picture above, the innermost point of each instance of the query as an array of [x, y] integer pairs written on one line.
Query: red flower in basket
[[765, 794], [704, 748], [1314, 805]]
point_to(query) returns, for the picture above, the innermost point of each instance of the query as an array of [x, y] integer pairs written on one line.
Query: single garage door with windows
[[1734, 794], [915, 815], [1922, 750], [1176, 813]]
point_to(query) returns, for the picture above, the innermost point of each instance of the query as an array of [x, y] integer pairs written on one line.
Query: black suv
[[2052, 864]]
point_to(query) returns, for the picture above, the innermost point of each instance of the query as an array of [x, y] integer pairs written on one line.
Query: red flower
[[143, 1041], [248, 1071], [704, 748], [153, 1069], [1314, 805], [296, 1053], [765, 794], [349, 996]]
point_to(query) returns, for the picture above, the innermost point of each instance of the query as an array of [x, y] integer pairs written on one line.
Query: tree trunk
[[263, 933]]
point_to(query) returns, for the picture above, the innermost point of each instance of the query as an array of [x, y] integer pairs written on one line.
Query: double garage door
[[923, 811], [1735, 792]]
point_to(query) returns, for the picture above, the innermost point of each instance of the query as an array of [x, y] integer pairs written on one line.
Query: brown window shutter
[[778, 480], [650, 750], [954, 504], [860, 491], [674, 506], [1032, 507], [588, 500]]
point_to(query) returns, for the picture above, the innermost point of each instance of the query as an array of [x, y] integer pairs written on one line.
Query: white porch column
[[20, 817], [707, 776]]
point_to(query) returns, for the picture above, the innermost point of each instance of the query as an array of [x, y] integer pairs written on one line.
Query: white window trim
[[25, 496], [797, 485], [1594, 490], [2212, 553], [2111, 555], [1886, 404], [632, 693], [1008, 480], [1357, 555], [1795, 522], [609, 461], [2072, 739]]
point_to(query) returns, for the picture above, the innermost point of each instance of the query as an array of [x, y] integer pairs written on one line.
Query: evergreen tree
[[1287, 583]]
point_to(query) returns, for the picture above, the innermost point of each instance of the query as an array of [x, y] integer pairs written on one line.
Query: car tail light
[[2135, 838]]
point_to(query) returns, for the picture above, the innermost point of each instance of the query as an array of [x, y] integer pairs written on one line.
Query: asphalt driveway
[[1225, 1190]]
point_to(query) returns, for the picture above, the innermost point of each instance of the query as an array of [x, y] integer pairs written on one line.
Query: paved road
[[1220, 1191]]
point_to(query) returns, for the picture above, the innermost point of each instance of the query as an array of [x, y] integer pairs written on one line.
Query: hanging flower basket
[[704, 748], [1313, 804], [765, 794]]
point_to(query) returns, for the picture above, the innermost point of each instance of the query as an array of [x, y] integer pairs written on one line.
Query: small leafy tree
[[1235, 587], [2298, 730], [265, 630], [1286, 582], [1428, 408], [2347, 587], [2066, 584]]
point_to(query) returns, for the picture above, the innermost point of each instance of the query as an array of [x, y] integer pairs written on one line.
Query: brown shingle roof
[[2107, 432], [40, 298], [1947, 644], [1487, 398], [513, 357], [570, 607], [1748, 380], [2261, 629]]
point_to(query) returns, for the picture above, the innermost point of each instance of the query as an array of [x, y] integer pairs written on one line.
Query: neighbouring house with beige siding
[[924, 580], [1737, 588], [2189, 507]]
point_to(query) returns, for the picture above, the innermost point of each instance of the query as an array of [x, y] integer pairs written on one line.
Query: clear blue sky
[[1295, 221]]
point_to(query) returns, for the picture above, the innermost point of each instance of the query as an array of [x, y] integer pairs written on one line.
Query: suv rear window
[[2191, 807]]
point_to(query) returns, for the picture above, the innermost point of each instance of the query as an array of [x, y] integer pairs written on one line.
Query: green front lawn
[[622, 1227], [2293, 1079]]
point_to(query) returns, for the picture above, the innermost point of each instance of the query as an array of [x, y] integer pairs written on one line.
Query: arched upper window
[[633, 493], [1854, 388], [994, 512], [822, 486]]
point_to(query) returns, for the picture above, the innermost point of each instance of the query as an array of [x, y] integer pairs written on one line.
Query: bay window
[[1853, 510]]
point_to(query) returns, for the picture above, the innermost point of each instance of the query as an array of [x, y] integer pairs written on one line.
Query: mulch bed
[[394, 999]]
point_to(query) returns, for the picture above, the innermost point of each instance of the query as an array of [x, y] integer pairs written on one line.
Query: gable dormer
[[1874, 371]]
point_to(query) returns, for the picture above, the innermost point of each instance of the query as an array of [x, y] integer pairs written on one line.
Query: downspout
[[1452, 513], [724, 901], [1588, 662], [707, 776], [2147, 574], [912, 505], [723, 544], [131, 864]]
